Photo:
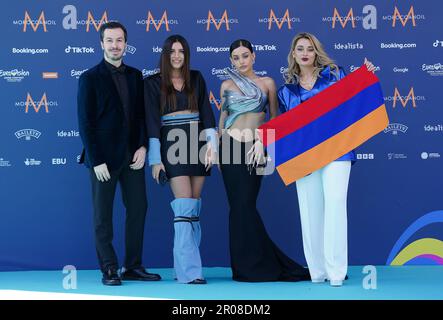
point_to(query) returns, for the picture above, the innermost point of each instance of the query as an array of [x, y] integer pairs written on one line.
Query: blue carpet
[[405, 282]]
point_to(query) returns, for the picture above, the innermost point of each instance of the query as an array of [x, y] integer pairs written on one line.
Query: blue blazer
[[104, 131]]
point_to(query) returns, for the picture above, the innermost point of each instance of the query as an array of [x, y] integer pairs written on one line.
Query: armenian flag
[[327, 126]]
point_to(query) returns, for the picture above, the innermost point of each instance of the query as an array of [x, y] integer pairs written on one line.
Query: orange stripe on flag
[[333, 148]]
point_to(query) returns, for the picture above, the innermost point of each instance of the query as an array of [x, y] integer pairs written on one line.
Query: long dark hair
[[168, 96], [240, 43]]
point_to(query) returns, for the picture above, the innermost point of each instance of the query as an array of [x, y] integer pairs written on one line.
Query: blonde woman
[[322, 195]]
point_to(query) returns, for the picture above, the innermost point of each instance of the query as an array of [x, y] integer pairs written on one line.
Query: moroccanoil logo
[[368, 18], [31, 104], [279, 21], [343, 21], [218, 22], [405, 99], [34, 24], [158, 23], [214, 101], [71, 21], [30, 101], [403, 19], [97, 24]]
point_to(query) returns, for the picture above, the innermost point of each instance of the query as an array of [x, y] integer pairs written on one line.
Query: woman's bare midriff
[[243, 128]]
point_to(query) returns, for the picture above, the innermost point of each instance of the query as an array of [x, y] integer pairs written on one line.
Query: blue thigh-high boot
[[187, 261], [196, 223]]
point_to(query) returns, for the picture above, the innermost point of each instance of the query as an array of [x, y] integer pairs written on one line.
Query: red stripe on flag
[[318, 105]]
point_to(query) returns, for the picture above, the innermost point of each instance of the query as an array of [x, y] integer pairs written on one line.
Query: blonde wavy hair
[[321, 61]]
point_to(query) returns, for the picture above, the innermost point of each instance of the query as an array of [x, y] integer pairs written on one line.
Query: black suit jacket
[[103, 128]]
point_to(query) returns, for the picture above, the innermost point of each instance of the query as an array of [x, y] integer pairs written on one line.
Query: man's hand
[[138, 161], [156, 170], [102, 173]]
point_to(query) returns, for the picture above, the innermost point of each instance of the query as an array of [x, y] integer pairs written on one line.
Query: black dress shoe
[[111, 278], [198, 281], [140, 275]]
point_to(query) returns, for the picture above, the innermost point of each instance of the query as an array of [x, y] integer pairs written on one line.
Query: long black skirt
[[254, 256]]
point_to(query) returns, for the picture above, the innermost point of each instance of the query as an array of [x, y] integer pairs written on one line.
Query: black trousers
[[254, 256], [133, 190]]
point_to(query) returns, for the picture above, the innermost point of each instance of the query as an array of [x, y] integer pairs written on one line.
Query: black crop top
[[152, 103]]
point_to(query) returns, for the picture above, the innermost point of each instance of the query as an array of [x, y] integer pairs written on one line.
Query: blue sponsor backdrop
[[45, 197]]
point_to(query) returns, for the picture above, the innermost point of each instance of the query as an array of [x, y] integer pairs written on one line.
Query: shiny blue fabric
[[290, 95], [250, 99]]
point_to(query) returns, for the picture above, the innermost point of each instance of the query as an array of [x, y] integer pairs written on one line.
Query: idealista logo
[[28, 134], [433, 128], [30, 104], [369, 19], [214, 101], [14, 75], [395, 128], [218, 22], [68, 134], [430, 155], [435, 69], [404, 100], [35, 23], [151, 21], [279, 22], [32, 162], [4, 163], [70, 21]]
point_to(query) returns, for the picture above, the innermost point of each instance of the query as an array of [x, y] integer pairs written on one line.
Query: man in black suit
[[112, 128]]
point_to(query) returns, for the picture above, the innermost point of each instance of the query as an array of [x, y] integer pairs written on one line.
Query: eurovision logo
[[28, 134], [435, 69], [14, 75]]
